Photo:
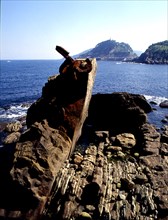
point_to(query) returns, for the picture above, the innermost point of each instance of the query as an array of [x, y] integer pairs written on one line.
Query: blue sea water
[[21, 83]]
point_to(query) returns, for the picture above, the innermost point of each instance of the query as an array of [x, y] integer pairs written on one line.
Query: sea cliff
[[155, 54]]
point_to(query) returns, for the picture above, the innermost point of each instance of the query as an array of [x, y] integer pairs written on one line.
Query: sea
[[21, 83]]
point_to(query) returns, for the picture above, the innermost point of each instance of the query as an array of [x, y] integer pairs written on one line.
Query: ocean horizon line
[[27, 59]]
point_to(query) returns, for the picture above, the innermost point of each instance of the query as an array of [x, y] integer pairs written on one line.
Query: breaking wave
[[13, 112], [155, 99], [16, 111]]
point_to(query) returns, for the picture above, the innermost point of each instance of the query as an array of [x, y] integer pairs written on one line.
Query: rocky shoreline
[[115, 172], [109, 182], [77, 156]]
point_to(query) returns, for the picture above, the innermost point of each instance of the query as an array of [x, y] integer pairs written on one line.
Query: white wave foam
[[17, 111], [156, 99], [14, 112]]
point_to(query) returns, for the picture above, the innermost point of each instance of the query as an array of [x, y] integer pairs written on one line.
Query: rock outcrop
[[155, 54], [121, 176], [54, 125], [164, 104], [118, 112], [112, 174], [111, 181]]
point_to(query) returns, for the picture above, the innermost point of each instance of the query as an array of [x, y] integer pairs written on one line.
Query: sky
[[31, 29]]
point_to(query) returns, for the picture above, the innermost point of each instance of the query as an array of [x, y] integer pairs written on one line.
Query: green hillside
[[155, 54], [111, 50]]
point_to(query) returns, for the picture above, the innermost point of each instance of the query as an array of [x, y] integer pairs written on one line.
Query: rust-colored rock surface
[[54, 125]]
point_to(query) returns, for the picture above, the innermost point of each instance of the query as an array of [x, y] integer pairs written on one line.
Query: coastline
[[76, 158], [110, 167]]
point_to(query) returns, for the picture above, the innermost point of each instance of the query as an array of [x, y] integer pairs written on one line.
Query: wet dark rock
[[153, 103], [164, 104], [164, 135], [121, 112], [140, 179], [127, 184], [2, 126], [164, 120]]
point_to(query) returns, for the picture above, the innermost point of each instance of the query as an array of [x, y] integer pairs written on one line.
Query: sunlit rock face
[[54, 125]]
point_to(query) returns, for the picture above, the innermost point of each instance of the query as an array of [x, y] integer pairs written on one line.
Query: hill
[[111, 50], [155, 54]]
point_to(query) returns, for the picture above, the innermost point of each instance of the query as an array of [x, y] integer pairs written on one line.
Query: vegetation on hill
[[111, 50], [155, 54]]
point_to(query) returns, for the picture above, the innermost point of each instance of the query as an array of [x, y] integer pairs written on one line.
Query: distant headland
[[155, 54], [112, 50]]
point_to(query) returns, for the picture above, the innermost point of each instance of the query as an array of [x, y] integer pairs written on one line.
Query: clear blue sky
[[30, 29]]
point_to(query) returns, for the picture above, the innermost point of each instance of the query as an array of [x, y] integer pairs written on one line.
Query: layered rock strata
[[113, 179]]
